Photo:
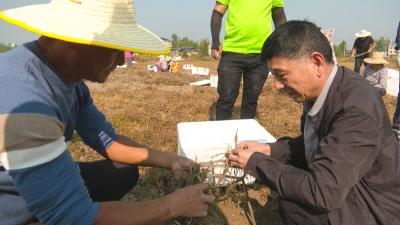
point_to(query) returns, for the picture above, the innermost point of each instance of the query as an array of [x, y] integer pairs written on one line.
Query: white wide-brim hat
[[376, 58], [363, 33], [105, 23]]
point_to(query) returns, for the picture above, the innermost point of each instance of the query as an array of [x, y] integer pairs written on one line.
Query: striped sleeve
[[92, 125], [34, 153]]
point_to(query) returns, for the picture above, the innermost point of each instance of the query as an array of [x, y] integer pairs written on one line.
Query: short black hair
[[294, 39]]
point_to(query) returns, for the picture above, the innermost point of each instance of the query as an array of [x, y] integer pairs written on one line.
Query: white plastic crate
[[214, 80], [209, 140], [392, 87]]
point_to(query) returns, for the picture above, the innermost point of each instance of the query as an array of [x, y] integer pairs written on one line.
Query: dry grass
[[147, 107]]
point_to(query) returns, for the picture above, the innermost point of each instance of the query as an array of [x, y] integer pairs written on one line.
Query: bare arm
[[353, 52], [372, 46], [186, 202], [125, 150], [278, 16]]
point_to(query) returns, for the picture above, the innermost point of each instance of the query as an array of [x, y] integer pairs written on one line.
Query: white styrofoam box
[[194, 70], [213, 80], [122, 66], [187, 66], [152, 68], [203, 71], [200, 83], [392, 87], [209, 140]]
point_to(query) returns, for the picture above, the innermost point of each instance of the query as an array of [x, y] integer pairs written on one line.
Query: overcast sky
[[191, 18]]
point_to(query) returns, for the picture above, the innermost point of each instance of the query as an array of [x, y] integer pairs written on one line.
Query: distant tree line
[[185, 42], [382, 45]]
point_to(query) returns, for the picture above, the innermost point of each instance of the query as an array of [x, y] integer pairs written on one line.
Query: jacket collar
[[317, 115], [322, 96]]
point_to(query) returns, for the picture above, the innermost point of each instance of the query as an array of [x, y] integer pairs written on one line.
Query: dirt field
[[147, 107]]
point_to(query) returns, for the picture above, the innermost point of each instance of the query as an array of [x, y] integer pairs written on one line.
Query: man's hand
[[216, 54], [189, 201], [182, 166], [240, 156]]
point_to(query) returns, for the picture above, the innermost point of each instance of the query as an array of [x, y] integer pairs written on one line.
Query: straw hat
[[363, 33], [376, 58], [106, 23]]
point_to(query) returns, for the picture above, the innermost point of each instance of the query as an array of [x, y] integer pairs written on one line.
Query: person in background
[[249, 23], [170, 62], [396, 116], [344, 167], [128, 59], [44, 100], [376, 71], [161, 65], [363, 45]]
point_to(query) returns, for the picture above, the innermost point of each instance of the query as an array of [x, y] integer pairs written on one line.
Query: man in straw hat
[[363, 45], [376, 71], [43, 100], [344, 168]]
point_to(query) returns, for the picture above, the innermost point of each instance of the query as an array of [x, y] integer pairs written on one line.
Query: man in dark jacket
[[344, 167]]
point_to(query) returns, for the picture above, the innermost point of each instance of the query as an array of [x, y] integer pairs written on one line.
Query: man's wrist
[[215, 46], [168, 202], [267, 150], [174, 161]]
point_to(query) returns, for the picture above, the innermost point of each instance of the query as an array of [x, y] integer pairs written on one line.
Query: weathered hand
[[216, 54], [190, 201], [258, 147], [182, 166], [240, 156]]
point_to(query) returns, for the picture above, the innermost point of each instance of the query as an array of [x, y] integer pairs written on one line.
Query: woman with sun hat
[[376, 71]]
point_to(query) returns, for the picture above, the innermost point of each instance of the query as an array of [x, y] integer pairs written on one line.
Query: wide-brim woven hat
[[363, 33], [376, 58], [105, 23]]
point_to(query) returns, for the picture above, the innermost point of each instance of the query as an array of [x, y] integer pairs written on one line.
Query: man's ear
[[318, 62]]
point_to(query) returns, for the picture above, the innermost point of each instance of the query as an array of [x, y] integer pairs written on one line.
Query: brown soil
[[147, 107]]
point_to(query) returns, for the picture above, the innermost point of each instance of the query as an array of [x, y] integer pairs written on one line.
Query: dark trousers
[[107, 180], [231, 68], [295, 214], [396, 117], [357, 64]]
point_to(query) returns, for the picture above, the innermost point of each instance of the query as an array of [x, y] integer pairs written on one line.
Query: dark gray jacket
[[355, 174]]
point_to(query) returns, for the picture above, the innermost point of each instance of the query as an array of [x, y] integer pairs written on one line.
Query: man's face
[[96, 63], [297, 78]]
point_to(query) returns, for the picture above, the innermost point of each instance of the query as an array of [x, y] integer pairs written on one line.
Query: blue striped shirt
[[39, 111]]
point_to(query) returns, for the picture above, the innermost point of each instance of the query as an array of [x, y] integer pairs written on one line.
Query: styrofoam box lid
[[202, 141], [197, 138]]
